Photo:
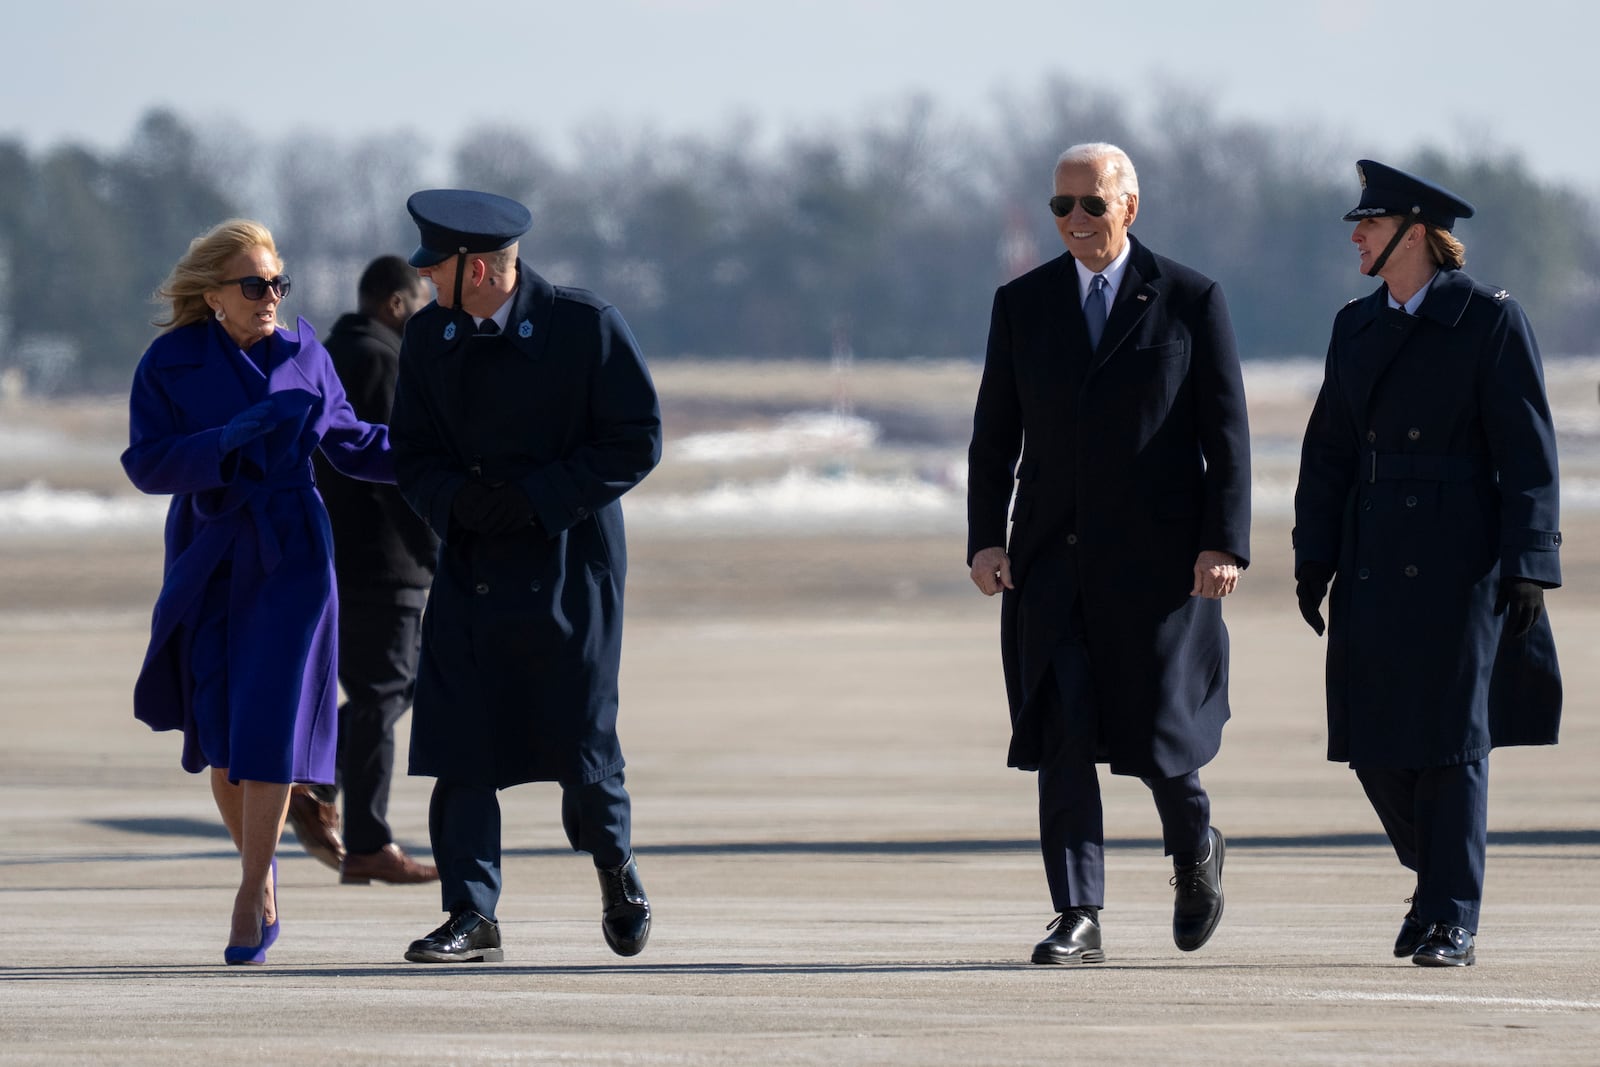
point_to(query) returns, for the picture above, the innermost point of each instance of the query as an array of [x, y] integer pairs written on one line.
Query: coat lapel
[[1135, 297], [528, 325], [1386, 332]]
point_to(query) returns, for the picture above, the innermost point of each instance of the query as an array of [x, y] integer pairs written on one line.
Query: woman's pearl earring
[[221, 315]]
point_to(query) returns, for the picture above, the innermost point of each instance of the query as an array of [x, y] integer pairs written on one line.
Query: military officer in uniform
[[522, 414], [1428, 496]]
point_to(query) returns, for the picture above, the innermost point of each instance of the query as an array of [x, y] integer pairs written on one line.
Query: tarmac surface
[[841, 867]]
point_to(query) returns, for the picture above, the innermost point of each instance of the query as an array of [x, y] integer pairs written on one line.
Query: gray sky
[[1380, 75]]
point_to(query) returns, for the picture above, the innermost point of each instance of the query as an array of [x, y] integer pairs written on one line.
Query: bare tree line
[[886, 237]]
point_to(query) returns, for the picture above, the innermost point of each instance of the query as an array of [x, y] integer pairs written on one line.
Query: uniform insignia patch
[[1501, 295], [450, 331], [1144, 296], [525, 329]]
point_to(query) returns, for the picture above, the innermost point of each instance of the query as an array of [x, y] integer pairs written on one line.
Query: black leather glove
[[1521, 602], [246, 426], [1309, 589], [470, 507], [506, 509]]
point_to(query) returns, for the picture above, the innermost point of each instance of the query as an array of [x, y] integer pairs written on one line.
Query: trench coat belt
[[251, 503], [1398, 467]]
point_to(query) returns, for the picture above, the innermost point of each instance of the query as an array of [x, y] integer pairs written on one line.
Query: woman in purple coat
[[226, 409]]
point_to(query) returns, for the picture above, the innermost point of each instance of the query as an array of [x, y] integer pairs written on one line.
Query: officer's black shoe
[[625, 910], [467, 938], [1075, 939], [1445, 946], [1197, 905], [1412, 931]]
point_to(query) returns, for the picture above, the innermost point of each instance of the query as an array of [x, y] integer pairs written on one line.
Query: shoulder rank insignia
[[450, 331], [525, 329], [1501, 294]]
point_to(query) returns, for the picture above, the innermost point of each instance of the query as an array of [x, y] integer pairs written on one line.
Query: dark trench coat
[[522, 636], [1427, 474], [257, 508], [1133, 458]]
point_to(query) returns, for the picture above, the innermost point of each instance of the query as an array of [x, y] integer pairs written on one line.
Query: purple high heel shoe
[[257, 954]]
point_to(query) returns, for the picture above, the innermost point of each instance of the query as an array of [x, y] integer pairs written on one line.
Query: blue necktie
[[1094, 310]]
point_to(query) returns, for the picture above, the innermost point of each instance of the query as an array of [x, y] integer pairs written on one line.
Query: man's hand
[[1521, 602], [506, 509], [991, 571], [1215, 574], [1310, 587]]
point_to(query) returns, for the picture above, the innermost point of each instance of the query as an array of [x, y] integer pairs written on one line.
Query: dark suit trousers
[[1437, 818], [1071, 823], [464, 824], [378, 649]]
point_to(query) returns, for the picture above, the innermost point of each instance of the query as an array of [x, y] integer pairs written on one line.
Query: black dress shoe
[[1412, 931], [467, 938], [625, 910], [1075, 939], [1197, 906], [1445, 946]]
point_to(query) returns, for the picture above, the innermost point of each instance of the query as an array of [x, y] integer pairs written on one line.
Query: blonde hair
[[202, 268], [1445, 248]]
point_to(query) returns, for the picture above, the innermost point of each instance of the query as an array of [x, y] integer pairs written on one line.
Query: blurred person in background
[[226, 409], [524, 411], [1112, 405], [383, 561], [1428, 497]]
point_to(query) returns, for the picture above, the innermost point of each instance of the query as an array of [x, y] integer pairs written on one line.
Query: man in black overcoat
[[1112, 409], [524, 412], [1428, 495], [383, 560]]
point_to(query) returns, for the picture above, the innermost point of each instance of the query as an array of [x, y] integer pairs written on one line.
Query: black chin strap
[[461, 268], [1406, 222]]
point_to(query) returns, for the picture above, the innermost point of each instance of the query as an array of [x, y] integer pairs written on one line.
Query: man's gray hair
[[1118, 166]]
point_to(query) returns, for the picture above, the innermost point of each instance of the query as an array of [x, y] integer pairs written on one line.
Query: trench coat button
[[535, 587], [1072, 539], [1363, 574], [583, 513], [1366, 505], [1411, 570], [1414, 433], [1411, 501], [481, 588], [1372, 435]]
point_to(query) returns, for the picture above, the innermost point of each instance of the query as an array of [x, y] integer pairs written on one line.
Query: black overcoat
[[522, 637], [1428, 472], [383, 552], [1133, 458]]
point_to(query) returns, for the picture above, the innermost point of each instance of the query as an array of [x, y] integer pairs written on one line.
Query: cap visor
[[427, 257]]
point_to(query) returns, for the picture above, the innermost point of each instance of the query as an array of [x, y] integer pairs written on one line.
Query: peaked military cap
[[1388, 191], [451, 221]]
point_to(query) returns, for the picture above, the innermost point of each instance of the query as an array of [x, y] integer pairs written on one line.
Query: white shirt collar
[[503, 314], [1112, 274], [1410, 306]]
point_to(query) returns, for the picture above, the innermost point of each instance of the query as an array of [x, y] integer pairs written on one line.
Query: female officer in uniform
[[1428, 496]]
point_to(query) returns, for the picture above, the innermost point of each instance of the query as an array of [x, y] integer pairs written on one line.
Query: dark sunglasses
[[255, 287], [1093, 206]]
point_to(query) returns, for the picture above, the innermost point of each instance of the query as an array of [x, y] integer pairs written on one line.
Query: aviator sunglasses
[[255, 286], [1093, 206]]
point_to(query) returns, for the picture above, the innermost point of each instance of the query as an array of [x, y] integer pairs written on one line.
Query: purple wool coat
[[258, 508]]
